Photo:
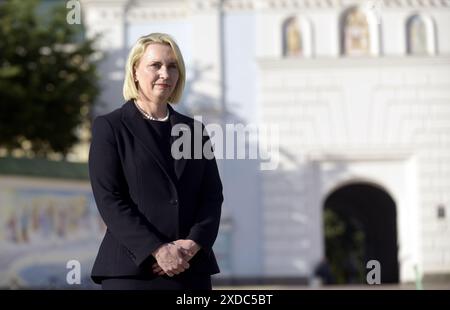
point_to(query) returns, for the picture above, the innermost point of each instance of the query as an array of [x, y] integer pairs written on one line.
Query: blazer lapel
[[175, 119], [133, 120]]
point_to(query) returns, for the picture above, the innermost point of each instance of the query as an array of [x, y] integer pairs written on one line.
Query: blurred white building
[[361, 93]]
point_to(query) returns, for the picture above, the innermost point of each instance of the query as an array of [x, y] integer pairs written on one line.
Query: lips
[[163, 85]]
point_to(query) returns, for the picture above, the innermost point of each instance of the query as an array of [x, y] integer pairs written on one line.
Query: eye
[[172, 66], [155, 65]]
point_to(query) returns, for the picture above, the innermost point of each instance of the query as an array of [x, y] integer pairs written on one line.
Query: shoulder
[[112, 117], [107, 124], [184, 119]]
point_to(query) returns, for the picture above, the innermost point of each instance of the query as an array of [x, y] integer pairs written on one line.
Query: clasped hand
[[172, 258]]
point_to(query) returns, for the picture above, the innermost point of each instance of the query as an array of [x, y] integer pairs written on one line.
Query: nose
[[164, 72]]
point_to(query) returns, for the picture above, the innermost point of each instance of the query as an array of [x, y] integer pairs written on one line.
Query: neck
[[157, 110]]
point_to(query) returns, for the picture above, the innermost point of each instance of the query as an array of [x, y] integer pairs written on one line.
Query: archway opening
[[360, 224]]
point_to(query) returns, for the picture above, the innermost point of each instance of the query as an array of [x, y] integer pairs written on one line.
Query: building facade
[[360, 92]]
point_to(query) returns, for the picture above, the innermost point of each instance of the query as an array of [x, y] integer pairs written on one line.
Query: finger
[[181, 251], [176, 271], [157, 270], [171, 273], [184, 251], [161, 273], [155, 265], [182, 261], [179, 269], [188, 254]]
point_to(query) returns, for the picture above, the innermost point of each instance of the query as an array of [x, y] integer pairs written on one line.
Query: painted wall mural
[[43, 225]]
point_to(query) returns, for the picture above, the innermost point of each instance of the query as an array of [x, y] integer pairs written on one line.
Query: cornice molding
[[351, 62], [163, 9], [338, 4]]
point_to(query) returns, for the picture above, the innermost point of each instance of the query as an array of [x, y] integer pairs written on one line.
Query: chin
[[162, 98]]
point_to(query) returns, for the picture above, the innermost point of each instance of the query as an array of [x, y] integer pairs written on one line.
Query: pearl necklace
[[148, 116]]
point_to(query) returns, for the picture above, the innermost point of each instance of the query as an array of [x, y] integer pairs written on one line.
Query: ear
[[134, 74]]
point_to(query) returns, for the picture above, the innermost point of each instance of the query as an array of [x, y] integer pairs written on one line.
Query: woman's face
[[157, 73]]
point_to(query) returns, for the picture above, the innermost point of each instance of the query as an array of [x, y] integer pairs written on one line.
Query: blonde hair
[[130, 90]]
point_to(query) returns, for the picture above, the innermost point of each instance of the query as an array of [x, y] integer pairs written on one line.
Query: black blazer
[[142, 205]]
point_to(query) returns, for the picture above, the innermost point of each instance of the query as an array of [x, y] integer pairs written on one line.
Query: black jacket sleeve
[[206, 228], [110, 189]]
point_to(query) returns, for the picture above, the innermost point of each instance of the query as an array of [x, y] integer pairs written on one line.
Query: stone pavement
[[403, 286]]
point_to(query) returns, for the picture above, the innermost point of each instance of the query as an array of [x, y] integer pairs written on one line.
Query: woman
[[162, 212]]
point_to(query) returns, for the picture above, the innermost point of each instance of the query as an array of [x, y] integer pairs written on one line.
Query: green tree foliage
[[48, 78], [345, 249]]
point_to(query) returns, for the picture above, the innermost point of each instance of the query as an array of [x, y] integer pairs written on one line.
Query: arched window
[[420, 36], [297, 37], [356, 35], [292, 40]]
